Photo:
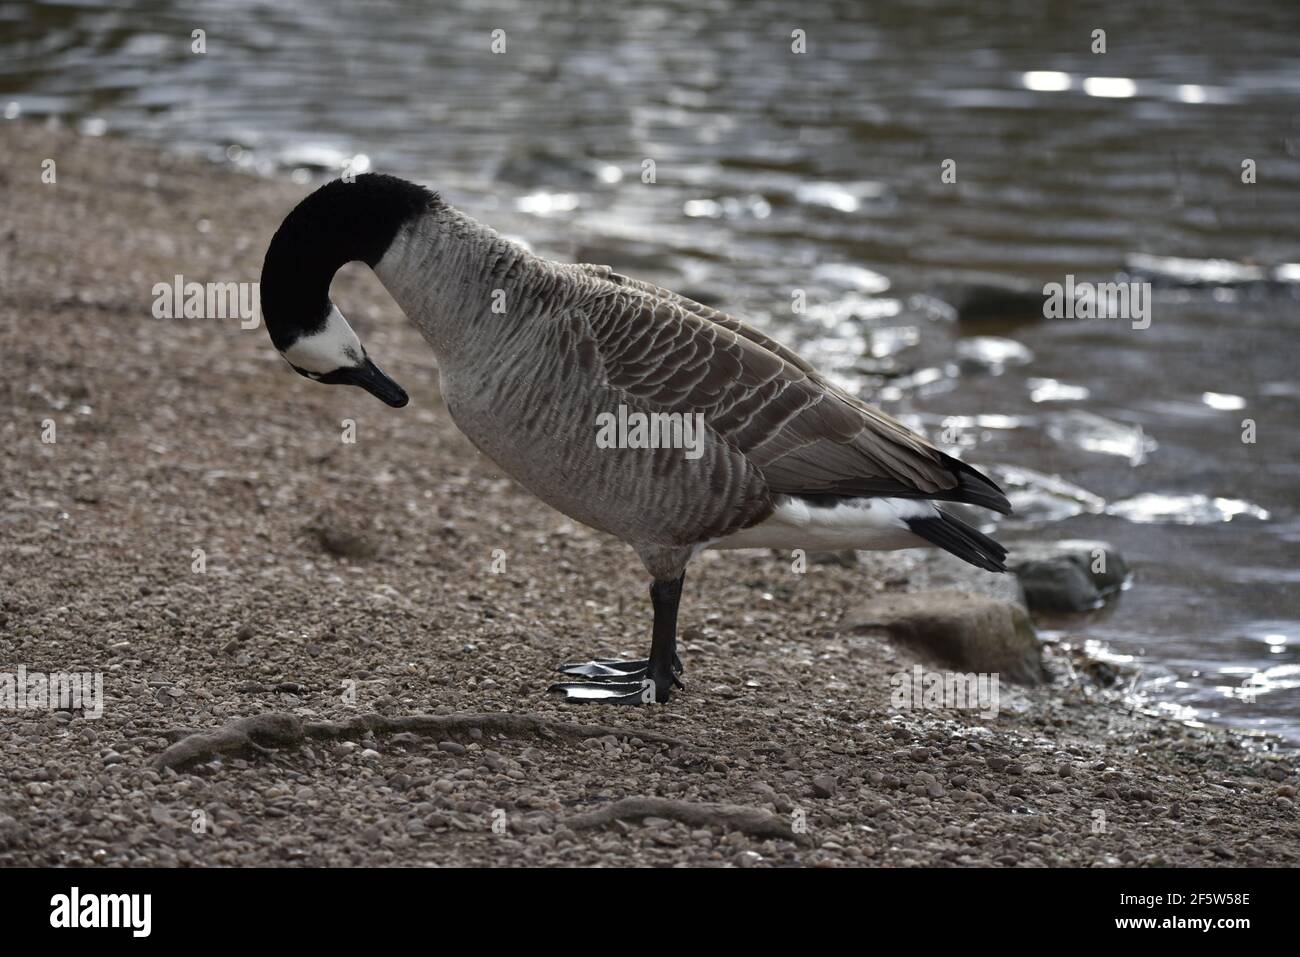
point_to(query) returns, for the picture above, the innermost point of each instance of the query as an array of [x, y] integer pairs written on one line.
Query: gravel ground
[[348, 587]]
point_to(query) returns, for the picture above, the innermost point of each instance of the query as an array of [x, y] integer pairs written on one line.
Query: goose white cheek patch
[[335, 346]]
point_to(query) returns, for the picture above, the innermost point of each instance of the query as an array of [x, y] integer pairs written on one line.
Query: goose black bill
[[371, 378]]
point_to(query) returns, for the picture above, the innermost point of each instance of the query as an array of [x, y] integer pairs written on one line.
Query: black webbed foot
[[642, 681], [608, 681]]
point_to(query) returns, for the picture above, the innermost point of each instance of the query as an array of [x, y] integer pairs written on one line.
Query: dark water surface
[[820, 172]]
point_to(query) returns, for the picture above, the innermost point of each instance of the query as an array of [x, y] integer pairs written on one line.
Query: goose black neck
[[341, 222]]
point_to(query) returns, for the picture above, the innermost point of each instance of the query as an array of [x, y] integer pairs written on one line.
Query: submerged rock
[[984, 302], [1069, 576], [958, 630]]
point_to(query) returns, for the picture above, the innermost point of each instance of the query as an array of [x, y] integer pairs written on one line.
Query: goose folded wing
[[803, 435]]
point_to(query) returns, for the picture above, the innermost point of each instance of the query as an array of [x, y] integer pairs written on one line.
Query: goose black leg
[[640, 681]]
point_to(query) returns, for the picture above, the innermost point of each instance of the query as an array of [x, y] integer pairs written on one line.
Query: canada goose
[[537, 357]]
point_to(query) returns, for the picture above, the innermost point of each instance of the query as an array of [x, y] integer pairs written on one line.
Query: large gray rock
[[1069, 576], [958, 630]]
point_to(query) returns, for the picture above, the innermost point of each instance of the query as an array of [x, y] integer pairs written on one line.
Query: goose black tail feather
[[967, 543]]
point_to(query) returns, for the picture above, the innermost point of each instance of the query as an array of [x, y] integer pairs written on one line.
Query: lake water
[[776, 171]]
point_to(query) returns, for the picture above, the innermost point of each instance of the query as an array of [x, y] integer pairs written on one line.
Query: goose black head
[[341, 222]]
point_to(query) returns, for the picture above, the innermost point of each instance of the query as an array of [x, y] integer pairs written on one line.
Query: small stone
[[824, 785], [336, 537]]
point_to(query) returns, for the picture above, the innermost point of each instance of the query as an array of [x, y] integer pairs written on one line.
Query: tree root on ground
[[264, 732], [736, 817]]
